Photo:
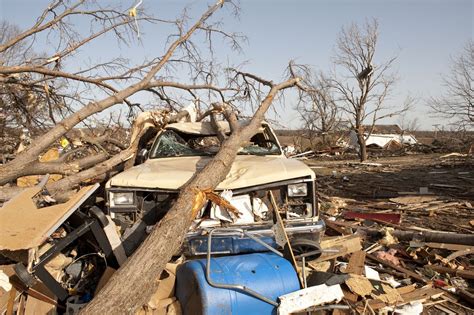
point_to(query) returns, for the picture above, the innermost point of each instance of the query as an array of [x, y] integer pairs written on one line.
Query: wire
[[90, 254]]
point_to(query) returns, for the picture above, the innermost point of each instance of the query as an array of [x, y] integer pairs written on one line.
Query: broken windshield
[[172, 143]]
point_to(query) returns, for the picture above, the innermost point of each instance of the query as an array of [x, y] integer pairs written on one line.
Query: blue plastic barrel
[[266, 273]]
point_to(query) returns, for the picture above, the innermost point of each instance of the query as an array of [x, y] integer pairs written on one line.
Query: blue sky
[[423, 33]]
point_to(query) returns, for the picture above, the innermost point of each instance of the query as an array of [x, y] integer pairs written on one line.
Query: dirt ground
[[448, 204]]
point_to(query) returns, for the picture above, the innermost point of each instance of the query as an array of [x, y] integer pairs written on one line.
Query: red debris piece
[[386, 217]]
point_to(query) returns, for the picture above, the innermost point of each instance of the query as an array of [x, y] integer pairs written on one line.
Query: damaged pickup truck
[[262, 180]]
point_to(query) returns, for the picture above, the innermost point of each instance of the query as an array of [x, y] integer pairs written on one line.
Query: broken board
[[421, 294], [343, 244], [24, 226], [356, 263]]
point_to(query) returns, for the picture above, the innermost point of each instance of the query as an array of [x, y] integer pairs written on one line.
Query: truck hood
[[172, 173]]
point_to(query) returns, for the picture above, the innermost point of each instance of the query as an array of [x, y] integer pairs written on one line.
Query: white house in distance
[[383, 136]]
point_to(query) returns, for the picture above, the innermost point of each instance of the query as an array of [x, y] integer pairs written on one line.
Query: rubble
[[386, 247], [124, 221]]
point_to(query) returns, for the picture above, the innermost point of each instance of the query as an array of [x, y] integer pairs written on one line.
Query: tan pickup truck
[[139, 197]]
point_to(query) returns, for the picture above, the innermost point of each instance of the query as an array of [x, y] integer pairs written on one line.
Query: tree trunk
[[133, 284], [362, 147]]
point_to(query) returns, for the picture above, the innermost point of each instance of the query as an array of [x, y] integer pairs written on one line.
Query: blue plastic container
[[266, 273]]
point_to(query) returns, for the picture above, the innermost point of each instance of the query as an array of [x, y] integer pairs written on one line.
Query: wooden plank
[[336, 228], [408, 200], [449, 246], [35, 307], [385, 217], [11, 301], [398, 268], [344, 244], [21, 305], [356, 263], [359, 285], [421, 294], [391, 295], [282, 227], [340, 312], [459, 253], [351, 297], [406, 289], [445, 310], [467, 274]]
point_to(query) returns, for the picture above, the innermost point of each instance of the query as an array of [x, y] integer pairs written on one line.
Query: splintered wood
[[343, 245], [359, 285], [420, 295], [356, 263]]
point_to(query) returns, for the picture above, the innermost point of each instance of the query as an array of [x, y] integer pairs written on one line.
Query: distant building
[[384, 136]]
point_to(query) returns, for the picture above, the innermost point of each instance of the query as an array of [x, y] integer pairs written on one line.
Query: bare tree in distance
[[361, 84], [408, 124], [458, 100], [317, 107]]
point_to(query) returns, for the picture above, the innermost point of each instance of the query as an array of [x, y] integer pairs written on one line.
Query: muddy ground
[[449, 202]]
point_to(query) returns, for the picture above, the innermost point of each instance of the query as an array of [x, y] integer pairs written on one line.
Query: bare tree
[[83, 93], [458, 100], [408, 124], [361, 84], [317, 107], [132, 285], [21, 107]]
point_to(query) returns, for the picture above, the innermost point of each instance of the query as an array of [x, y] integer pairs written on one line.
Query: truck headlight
[[298, 190], [121, 198]]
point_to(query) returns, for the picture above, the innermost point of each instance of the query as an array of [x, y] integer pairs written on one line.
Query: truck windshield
[[172, 143]]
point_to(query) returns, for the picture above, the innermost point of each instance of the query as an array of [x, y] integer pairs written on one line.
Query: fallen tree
[[132, 285], [29, 72], [135, 281]]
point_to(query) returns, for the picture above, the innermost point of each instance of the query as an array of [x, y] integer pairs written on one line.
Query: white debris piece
[[5, 282], [302, 299], [371, 273], [222, 214], [260, 209], [414, 308], [192, 112], [207, 223], [243, 205]]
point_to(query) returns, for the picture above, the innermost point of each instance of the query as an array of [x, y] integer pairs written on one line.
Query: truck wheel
[[304, 246]]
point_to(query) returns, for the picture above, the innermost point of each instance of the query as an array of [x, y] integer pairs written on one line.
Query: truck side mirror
[[141, 156]]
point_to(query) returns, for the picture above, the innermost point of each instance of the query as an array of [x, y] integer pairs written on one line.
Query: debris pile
[[389, 274], [388, 245], [415, 220], [52, 253], [432, 191]]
